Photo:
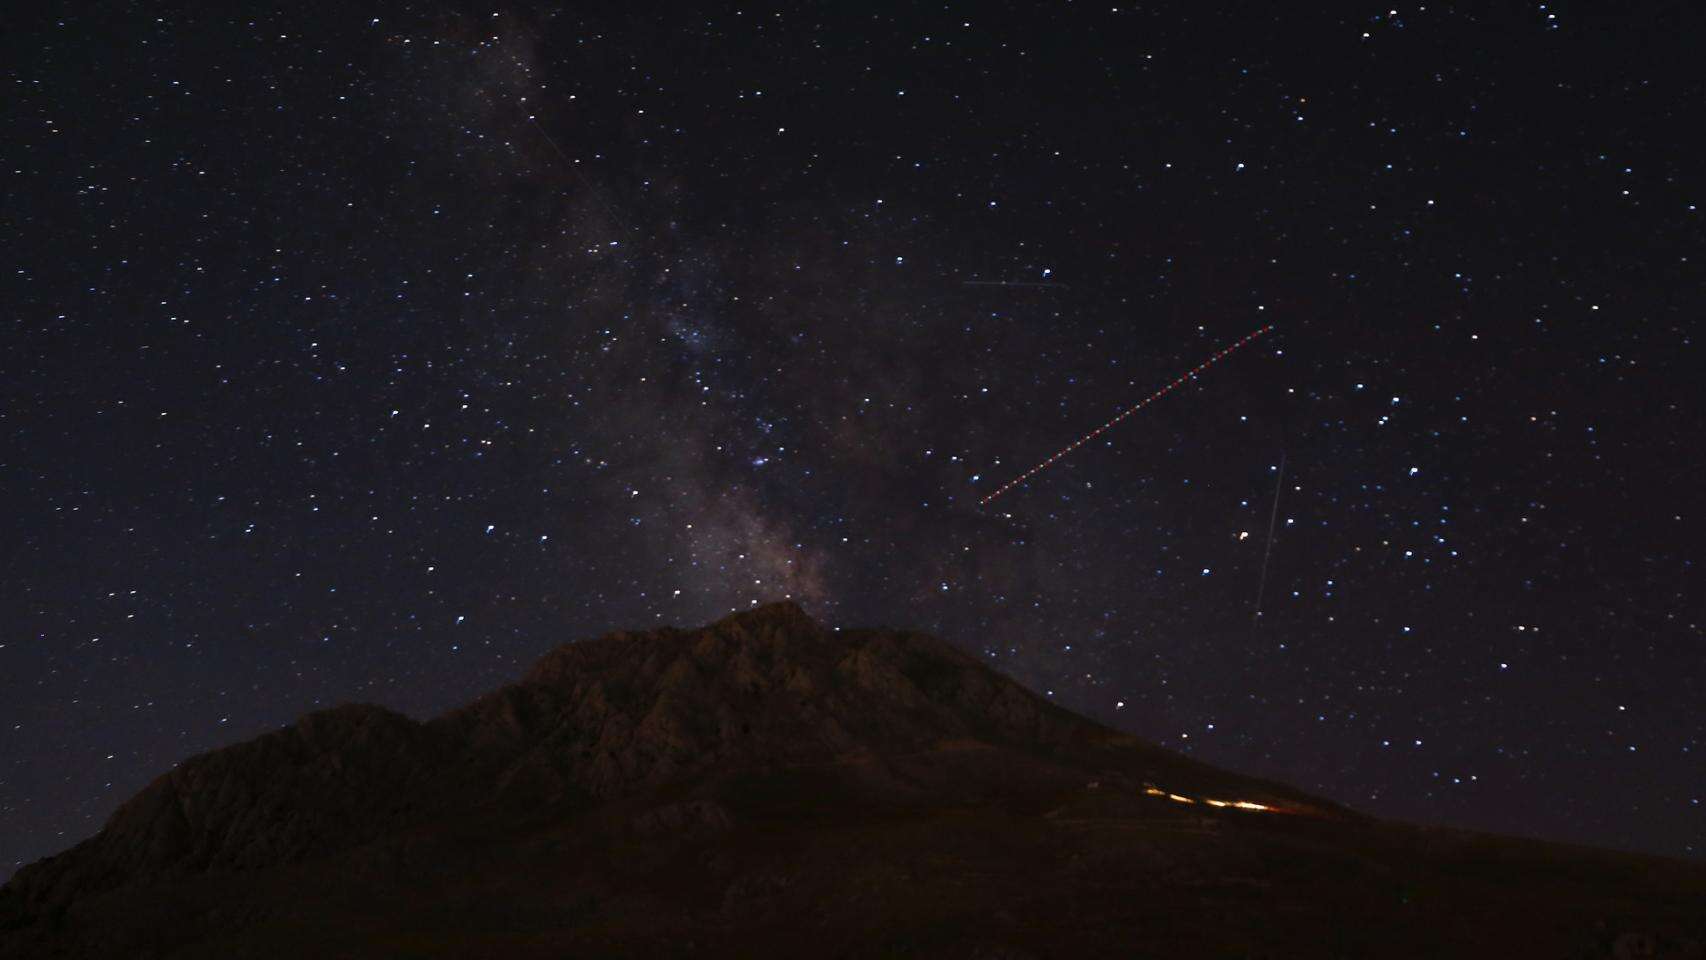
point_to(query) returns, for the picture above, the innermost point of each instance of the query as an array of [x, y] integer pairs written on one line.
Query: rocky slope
[[764, 784]]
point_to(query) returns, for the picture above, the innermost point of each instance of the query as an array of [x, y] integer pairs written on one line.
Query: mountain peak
[[592, 720], [777, 612], [658, 786]]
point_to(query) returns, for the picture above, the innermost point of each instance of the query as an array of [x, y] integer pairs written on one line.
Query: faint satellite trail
[[1146, 401]]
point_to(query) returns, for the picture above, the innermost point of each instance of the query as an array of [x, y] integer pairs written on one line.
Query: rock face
[[331, 780], [604, 716], [758, 785], [593, 719]]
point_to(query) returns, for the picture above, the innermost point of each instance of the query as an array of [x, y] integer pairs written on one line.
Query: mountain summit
[[763, 784]]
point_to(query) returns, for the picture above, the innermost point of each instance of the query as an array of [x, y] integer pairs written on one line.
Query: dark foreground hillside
[[764, 787]]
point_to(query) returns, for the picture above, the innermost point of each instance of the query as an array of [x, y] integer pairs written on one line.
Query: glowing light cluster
[[1154, 791], [1146, 401]]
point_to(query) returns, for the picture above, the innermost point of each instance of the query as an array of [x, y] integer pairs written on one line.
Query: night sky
[[367, 352]]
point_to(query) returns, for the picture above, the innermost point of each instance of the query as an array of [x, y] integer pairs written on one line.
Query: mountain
[[763, 786]]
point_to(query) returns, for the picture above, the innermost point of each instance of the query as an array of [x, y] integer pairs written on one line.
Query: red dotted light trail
[[1146, 401]]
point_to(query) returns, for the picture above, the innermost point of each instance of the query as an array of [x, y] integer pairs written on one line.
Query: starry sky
[[367, 352]]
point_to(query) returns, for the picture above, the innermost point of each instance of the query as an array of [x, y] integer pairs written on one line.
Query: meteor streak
[[1268, 552], [1146, 401]]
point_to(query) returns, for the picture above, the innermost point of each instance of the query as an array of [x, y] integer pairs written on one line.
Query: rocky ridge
[[763, 784]]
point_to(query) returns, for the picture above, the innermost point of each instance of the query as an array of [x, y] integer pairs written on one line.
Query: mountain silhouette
[[764, 786]]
